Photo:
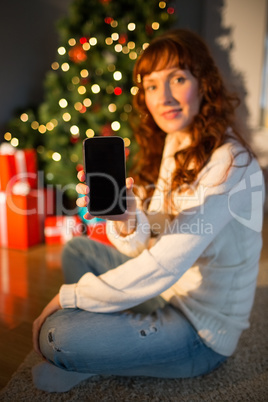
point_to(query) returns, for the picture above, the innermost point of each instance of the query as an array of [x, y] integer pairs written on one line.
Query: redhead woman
[[174, 294]]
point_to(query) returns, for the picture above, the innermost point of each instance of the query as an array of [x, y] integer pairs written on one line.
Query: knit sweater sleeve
[[154, 271], [133, 244]]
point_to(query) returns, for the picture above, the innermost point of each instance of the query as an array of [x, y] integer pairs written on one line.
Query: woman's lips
[[171, 114]]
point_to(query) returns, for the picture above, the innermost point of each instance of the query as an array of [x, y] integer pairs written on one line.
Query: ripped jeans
[[153, 339]]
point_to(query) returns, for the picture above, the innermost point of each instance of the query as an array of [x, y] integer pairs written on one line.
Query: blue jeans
[[153, 339]]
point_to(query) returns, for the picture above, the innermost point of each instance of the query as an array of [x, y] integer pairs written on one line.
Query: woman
[[173, 296]]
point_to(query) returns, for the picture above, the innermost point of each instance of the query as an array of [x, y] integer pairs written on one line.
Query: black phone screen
[[104, 159]]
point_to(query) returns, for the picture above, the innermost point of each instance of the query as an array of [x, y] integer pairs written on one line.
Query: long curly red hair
[[209, 129]]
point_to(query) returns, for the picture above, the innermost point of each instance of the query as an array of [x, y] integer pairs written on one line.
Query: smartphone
[[105, 168]]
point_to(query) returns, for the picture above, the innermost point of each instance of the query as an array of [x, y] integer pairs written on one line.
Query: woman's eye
[[150, 88], [179, 80]]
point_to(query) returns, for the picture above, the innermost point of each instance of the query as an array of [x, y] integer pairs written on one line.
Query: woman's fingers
[[36, 330], [81, 175], [82, 201], [88, 216], [82, 188], [129, 183]]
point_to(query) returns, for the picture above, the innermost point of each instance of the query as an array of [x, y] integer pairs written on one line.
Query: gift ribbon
[[69, 224], [20, 159], [20, 167], [21, 188], [53, 231], [40, 194], [7, 149], [3, 219], [64, 228]]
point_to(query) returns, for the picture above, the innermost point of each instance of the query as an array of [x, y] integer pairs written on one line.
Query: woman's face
[[172, 97]]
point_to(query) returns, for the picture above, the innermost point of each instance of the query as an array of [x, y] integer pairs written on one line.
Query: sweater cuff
[[135, 242], [68, 296], [142, 230]]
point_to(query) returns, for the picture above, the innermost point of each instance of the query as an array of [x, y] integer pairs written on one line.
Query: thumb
[[129, 183]]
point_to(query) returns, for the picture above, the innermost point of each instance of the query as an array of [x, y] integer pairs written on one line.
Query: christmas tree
[[89, 88]]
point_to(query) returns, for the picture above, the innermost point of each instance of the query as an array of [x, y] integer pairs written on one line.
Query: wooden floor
[[28, 280]]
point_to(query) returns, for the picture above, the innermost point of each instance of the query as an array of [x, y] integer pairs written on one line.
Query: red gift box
[[21, 219], [97, 232], [17, 165], [7, 170], [60, 229], [47, 203]]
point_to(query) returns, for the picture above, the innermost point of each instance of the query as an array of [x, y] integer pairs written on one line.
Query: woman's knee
[[55, 335], [46, 340]]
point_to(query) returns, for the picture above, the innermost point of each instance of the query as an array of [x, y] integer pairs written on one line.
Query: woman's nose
[[166, 96]]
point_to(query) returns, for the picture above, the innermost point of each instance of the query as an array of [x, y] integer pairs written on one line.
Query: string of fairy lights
[[77, 53]]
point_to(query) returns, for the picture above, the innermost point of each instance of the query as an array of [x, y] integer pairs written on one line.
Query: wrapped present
[[21, 219], [50, 201], [46, 201], [17, 166], [60, 229], [97, 232]]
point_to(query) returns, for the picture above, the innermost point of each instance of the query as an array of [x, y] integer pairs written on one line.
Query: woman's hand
[[51, 308], [127, 220]]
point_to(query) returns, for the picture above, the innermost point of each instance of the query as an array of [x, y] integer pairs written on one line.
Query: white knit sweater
[[205, 262]]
